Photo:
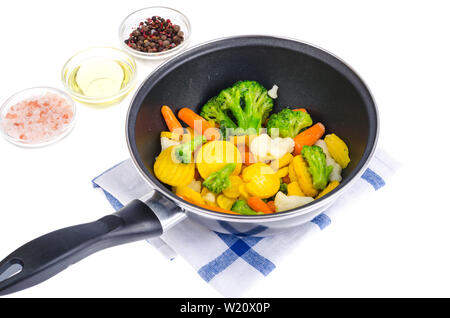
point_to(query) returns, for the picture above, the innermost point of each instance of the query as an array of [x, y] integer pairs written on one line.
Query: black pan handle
[[50, 254]]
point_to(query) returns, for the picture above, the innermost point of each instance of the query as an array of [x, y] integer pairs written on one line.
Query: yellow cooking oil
[[100, 80]]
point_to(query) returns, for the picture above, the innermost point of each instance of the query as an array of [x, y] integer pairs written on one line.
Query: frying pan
[[307, 76]]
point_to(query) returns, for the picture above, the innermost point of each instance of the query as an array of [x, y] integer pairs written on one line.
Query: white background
[[392, 243]]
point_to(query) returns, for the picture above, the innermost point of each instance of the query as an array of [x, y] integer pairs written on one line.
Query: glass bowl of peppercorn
[[155, 33]]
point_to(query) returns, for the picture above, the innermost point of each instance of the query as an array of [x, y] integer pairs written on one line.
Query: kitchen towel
[[232, 263]]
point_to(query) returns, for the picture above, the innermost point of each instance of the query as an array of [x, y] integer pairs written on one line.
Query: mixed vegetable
[[236, 157]]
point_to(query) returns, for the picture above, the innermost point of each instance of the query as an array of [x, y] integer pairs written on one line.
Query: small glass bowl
[[100, 54], [131, 22], [27, 94]]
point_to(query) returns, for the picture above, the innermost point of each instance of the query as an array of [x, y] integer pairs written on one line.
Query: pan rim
[[308, 208]]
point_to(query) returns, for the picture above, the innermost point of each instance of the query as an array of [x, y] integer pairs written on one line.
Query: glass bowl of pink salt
[[37, 117]]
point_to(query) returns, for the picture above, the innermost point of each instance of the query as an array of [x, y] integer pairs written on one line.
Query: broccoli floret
[[247, 101], [229, 99], [283, 187], [288, 122], [257, 103], [241, 206], [317, 163], [212, 111], [184, 151], [220, 179]]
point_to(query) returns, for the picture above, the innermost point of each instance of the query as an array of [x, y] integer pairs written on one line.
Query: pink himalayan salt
[[39, 118]]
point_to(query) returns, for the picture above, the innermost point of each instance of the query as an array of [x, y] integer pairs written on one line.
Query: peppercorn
[[155, 34]]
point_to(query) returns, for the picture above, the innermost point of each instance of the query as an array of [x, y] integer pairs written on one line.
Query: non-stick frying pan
[[307, 76]]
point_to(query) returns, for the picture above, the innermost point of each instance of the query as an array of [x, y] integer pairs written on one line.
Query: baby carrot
[[171, 121], [271, 205], [308, 137], [195, 121], [248, 158], [217, 209], [259, 205], [210, 207], [246, 155], [300, 110]]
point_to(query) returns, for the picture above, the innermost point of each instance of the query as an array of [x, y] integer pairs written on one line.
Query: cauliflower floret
[[195, 185], [208, 196], [281, 146], [335, 175], [166, 143], [273, 92], [284, 202], [260, 147], [265, 148]]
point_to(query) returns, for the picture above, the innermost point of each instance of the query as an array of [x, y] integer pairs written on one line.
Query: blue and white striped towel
[[232, 263]]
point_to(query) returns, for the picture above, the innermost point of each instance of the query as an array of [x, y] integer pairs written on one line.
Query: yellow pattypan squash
[[260, 180], [214, 155], [170, 171]]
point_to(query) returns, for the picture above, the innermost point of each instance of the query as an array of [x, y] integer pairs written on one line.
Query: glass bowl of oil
[[99, 76]]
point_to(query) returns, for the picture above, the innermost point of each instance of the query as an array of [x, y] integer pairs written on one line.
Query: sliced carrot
[[308, 137], [271, 205], [300, 110], [210, 207], [259, 205], [197, 122], [170, 118]]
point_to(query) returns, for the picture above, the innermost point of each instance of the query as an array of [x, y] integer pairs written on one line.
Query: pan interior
[[307, 77]]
